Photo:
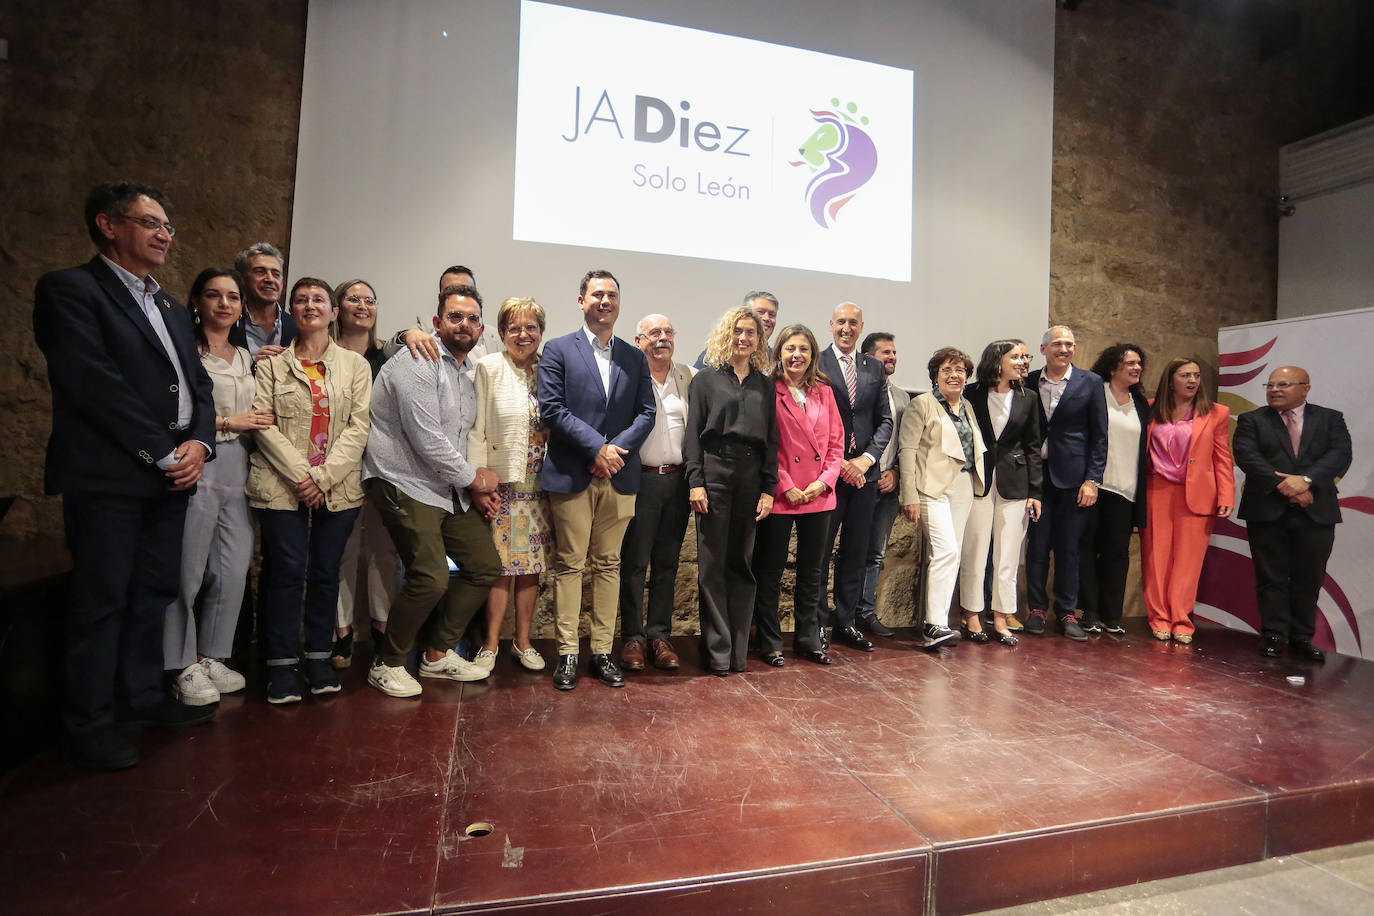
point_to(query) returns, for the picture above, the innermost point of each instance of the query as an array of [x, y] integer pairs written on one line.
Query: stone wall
[[1166, 130]]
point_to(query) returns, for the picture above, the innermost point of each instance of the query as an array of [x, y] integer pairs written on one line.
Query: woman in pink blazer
[[810, 450], [1192, 483]]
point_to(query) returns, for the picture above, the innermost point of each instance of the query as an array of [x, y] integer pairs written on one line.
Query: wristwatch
[[1307, 480]]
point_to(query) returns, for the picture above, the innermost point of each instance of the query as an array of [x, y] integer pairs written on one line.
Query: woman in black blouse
[[730, 449]]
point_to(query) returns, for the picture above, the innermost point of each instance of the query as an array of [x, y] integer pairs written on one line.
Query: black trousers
[[1059, 529], [770, 557], [126, 555], [653, 544], [852, 525], [1290, 557], [1104, 557], [725, 556]]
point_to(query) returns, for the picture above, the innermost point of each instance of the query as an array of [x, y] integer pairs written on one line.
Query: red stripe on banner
[[1233, 379], [1363, 504], [1245, 356]]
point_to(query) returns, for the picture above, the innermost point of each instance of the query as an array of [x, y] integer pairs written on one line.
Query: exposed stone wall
[[1166, 132]]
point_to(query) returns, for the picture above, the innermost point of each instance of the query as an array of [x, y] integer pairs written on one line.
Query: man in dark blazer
[[597, 399], [860, 387], [882, 347], [133, 424], [1073, 417], [1292, 452]]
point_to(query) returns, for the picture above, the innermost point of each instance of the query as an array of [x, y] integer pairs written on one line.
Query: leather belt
[[661, 468]]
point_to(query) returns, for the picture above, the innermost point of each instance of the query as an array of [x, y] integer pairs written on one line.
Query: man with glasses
[[653, 542], [1292, 453], [1073, 414], [133, 422], [265, 328]]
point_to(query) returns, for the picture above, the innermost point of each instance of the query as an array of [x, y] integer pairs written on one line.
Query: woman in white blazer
[[509, 439], [941, 460]]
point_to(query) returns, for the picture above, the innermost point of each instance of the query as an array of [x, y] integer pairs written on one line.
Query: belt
[[730, 449], [661, 468]]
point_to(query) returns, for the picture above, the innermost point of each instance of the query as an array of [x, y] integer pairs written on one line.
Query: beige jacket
[[280, 461], [930, 456], [500, 438]]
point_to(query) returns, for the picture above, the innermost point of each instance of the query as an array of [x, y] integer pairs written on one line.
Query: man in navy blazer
[[867, 430], [597, 399], [1073, 416], [1290, 505], [133, 422]]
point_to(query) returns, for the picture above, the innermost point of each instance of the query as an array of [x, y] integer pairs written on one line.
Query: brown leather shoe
[[664, 657], [632, 656]]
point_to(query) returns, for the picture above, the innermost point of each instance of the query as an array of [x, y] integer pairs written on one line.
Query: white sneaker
[[452, 666], [393, 680], [486, 660], [225, 679], [530, 658], [194, 688]]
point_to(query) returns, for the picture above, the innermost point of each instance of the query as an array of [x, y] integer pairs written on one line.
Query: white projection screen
[[892, 153]]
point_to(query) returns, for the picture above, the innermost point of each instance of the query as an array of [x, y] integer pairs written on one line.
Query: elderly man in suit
[[1073, 417], [653, 542], [133, 425], [597, 398], [882, 347], [1292, 452], [860, 387]]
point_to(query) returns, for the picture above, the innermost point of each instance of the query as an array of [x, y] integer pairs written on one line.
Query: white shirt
[[999, 411], [603, 358], [1123, 446], [1050, 393], [664, 445]]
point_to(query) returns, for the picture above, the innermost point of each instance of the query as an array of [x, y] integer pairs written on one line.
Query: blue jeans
[[884, 516], [306, 547]]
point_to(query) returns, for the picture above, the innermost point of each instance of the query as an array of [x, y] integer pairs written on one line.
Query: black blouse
[[721, 411]]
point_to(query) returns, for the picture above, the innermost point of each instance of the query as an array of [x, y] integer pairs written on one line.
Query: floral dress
[[523, 527]]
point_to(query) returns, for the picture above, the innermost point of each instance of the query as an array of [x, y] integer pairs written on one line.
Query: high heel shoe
[[775, 659], [819, 657], [1005, 639], [978, 636]]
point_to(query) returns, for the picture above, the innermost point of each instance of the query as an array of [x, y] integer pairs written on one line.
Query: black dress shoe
[[565, 675], [721, 672], [1272, 646], [102, 749], [872, 624], [850, 636], [1304, 649], [606, 671], [170, 714], [978, 636]]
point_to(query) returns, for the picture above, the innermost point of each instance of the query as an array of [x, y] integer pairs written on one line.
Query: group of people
[[589, 453]]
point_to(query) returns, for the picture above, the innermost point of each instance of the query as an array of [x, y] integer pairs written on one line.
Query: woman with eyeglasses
[[1009, 499], [217, 544], [305, 485], [369, 545], [941, 461], [1192, 484]]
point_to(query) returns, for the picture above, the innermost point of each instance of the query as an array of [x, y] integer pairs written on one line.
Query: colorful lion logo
[[842, 157]]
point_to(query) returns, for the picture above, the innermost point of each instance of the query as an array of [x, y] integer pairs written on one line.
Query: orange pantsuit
[[1181, 517]]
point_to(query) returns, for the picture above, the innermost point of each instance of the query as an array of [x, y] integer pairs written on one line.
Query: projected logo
[[841, 157]]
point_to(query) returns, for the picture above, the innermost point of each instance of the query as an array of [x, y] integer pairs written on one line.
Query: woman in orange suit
[[1192, 483], [810, 452]]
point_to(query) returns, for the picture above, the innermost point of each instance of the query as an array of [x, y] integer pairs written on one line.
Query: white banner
[[642, 136], [1331, 348]]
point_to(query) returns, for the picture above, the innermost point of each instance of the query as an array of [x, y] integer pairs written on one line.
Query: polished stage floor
[[894, 782]]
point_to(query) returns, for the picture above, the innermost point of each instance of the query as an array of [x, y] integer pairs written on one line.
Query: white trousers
[[1001, 523], [946, 517]]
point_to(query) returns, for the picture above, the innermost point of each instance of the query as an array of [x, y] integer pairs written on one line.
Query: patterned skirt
[[523, 529]]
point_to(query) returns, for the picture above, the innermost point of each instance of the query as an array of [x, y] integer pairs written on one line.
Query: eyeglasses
[[1282, 386], [367, 301], [953, 370], [150, 222], [660, 332], [471, 320]]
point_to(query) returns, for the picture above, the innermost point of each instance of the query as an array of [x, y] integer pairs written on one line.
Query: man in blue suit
[[597, 399], [1073, 414], [860, 386], [133, 423]]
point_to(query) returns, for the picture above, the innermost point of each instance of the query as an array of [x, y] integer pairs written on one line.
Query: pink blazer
[[810, 447], [1210, 480]]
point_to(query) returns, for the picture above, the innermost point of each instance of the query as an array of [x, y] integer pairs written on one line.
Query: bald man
[[860, 386], [1292, 452]]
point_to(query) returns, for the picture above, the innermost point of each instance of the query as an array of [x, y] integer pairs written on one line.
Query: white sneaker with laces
[[225, 679], [486, 660], [393, 680], [193, 687], [452, 666]]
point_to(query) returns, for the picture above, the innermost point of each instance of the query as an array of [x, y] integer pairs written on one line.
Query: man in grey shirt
[[432, 501]]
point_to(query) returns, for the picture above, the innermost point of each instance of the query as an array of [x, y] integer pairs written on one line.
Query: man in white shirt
[[654, 539], [882, 347]]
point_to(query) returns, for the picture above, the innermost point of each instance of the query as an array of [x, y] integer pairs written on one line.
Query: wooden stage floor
[[899, 782]]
